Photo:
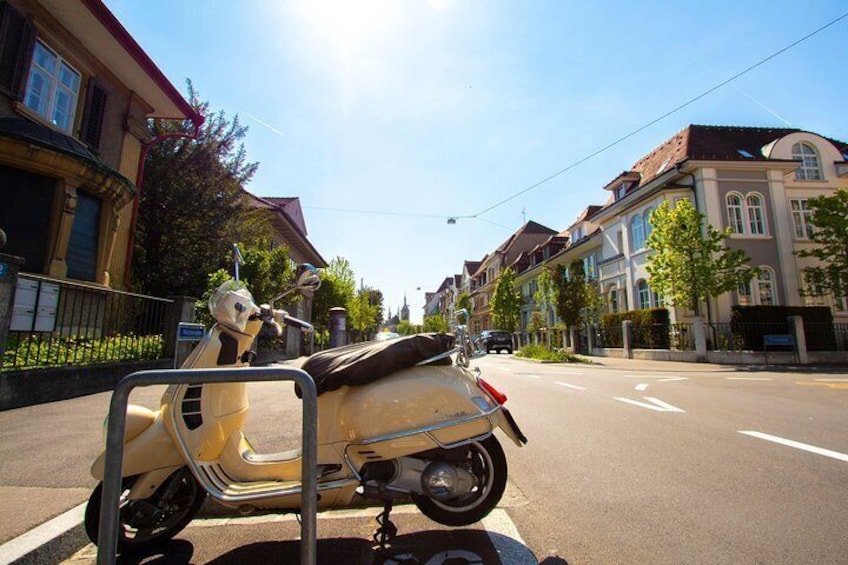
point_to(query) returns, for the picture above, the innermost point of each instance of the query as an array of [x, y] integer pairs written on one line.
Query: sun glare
[[349, 25]]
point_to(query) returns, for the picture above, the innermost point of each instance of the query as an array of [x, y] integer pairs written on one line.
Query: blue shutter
[[82, 247]]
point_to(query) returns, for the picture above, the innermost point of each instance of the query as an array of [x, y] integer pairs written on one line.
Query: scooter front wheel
[[148, 522], [486, 461]]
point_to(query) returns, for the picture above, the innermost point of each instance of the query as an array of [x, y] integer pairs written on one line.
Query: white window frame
[[756, 214], [646, 220], [48, 109], [734, 213], [803, 227], [761, 290], [810, 167], [643, 294], [637, 233]]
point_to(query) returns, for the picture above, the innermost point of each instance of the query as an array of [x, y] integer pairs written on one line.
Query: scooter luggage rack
[[107, 540]]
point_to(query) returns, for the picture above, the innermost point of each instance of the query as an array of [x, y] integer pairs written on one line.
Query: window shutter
[[17, 37], [95, 109]]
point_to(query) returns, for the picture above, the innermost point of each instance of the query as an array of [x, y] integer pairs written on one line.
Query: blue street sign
[[190, 332], [778, 339], [4, 268]]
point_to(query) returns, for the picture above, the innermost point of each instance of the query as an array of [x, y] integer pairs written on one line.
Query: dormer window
[[621, 191], [810, 168], [53, 88]]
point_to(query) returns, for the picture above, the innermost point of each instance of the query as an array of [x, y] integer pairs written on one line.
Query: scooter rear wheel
[[487, 462], [146, 523]]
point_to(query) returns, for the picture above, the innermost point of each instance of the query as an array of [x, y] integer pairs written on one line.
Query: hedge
[[753, 322], [650, 328]]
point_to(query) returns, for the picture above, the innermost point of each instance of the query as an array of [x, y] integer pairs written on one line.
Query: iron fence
[[71, 323], [681, 337], [743, 337], [612, 336], [650, 336]]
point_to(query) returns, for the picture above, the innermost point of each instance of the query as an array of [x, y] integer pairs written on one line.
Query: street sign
[[190, 332], [778, 339], [4, 268]]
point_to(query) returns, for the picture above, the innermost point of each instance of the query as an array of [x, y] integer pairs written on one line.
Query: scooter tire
[[191, 494], [467, 510]]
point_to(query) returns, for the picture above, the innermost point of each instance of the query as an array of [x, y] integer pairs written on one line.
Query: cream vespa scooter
[[395, 418]]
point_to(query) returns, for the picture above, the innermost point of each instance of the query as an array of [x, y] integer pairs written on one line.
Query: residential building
[[755, 181], [289, 227], [484, 278], [76, 92]]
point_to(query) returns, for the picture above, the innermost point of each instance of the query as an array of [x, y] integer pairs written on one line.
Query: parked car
[[496, 340]]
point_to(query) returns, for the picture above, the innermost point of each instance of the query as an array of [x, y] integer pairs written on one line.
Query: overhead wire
[[689, 102]]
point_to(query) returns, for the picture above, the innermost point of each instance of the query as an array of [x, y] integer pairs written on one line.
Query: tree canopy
[[506, 301], [192, 206], [691, 264], [829, 217]]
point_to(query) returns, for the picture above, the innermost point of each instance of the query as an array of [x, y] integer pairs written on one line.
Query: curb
[[51, 542]]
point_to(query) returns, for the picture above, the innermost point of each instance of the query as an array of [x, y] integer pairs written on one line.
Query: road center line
[[642, 387], [575, 387], [797, 445]]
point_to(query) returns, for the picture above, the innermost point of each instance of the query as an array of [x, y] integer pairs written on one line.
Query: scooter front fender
[[150, 450]]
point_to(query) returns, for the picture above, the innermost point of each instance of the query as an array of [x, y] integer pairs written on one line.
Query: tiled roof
[[711, 143]]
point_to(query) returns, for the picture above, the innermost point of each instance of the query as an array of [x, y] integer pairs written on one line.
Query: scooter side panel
[[151, 449], [407, 401]]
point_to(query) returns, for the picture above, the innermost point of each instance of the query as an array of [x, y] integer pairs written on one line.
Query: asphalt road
[[628, 462], [647, 463]]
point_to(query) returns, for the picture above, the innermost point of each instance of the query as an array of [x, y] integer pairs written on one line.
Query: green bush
[[34, 351], [542, 353]]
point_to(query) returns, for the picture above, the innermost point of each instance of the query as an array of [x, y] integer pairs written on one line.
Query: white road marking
[[660, 378], [656, 404], [533, 376], [561, 372], [575, 387], [25, 543], [831, 380], [747, 378], [642, 387], [797, 445], [506, 539]]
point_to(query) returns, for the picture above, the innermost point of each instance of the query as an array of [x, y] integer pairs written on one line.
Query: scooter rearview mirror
[[308, 281]]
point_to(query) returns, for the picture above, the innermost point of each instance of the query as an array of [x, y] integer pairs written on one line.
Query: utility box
[[35, 306]]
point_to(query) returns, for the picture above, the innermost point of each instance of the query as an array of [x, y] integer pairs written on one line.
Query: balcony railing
[[71, 323]]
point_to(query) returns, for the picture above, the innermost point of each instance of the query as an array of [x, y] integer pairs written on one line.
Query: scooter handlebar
[[283, 316]]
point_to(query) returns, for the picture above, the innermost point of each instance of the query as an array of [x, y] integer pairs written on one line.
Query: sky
[[386, 118]]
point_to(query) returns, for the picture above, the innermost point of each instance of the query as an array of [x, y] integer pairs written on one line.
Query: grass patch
[[542, 353]]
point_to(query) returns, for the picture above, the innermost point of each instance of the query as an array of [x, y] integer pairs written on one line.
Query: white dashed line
[[797, 445], [747, 378], [575, 387], [642, 387]]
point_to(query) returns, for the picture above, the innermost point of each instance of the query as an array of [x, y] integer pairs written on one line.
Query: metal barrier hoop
[[107, 540]]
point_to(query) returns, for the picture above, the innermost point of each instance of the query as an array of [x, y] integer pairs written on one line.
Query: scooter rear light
[[496, 395]]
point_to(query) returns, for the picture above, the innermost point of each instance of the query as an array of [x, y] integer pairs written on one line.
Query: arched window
[[637, 233], [734, 213], [743, 294], [766, 286], [647, 221], [810, 168], [659, 299], [643, 294], [756, 218]]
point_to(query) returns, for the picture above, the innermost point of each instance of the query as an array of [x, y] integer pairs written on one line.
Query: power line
[[660, 118], [606, 147]]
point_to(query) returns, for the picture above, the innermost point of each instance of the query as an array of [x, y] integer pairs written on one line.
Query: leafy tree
[[405, 328], [689, 266], [463, 301], [337, 290], [506, 301], [362, 314], [435, 323], [192, 205], [595, 305], [537, 322], [829, 215], [265, 273]]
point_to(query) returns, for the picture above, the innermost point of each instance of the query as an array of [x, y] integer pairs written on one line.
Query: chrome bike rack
[[107, 540]]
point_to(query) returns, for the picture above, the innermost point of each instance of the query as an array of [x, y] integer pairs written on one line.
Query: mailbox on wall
[[35, 306]]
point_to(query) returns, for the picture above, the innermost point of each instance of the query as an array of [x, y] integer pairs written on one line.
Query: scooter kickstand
[[386, 529]]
